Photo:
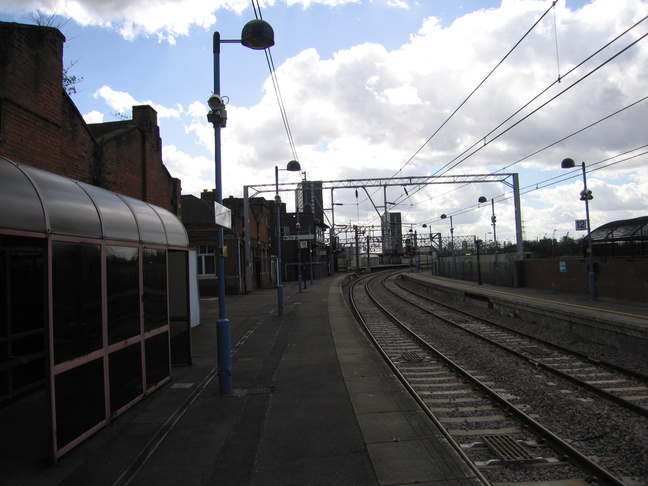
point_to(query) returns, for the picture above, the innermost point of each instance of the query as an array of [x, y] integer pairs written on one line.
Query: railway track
[[501, 436], [619, 385]]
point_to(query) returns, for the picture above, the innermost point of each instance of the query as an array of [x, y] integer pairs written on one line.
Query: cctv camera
[[215, 102]]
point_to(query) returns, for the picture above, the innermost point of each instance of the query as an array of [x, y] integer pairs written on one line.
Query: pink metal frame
[[56, 369]]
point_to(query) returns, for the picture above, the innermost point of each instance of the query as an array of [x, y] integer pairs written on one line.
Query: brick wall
[[40, 125], [616, 278]]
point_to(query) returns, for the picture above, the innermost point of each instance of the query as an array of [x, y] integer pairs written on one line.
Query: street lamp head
[[482, 199], [424, 225], [257, 34], [444, 216], [568, 164], [293, 166]]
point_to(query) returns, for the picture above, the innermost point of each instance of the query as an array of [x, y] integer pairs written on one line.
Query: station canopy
[[38, 201], [626, 229]]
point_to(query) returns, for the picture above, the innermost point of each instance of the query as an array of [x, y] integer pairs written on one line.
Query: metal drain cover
[[411, 357], [508, 449]]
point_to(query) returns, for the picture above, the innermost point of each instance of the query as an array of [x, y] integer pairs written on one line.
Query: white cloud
[[166, 19], [196, 173], [94, 117], [365, 111], [123, 102]]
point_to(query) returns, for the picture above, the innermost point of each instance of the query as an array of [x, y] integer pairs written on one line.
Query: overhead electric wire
[[475, 90], [541, 106], [538, 108], [282, 107], [562, 92], [275, 83]]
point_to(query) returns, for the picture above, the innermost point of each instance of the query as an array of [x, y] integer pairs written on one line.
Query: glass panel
[[22, 314], [79, 401], [155, 289], [27, 286], [210, 265], [21, 206], [125, 376], [157, 359], [70, 209], [122, 264], [175, 231], [76, 280], [179, 307], [118, 220], [5, 382], [150, 226]]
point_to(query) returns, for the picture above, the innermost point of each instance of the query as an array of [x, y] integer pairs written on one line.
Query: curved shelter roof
[[625, 229], [35, 200]]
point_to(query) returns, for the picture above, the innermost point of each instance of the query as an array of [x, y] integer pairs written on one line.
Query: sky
[[383, 88]]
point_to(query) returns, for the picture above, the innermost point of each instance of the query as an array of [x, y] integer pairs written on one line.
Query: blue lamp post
[[586, 195], [482, 199], [256, 34], [293, 166]]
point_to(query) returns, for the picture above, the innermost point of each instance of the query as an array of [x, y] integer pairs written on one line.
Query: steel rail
[[575, 457], [592, 388]]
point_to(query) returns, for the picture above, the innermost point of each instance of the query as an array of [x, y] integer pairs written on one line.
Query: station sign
[[297, 237], [222, 216], [581, 225]]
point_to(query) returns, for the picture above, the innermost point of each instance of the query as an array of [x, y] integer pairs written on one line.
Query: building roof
[[38, 201]]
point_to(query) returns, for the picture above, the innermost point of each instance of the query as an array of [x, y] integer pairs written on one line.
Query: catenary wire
[[275, 83]]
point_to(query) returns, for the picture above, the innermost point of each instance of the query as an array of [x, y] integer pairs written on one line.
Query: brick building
[[40, 125], [94, 260], [198, 218]]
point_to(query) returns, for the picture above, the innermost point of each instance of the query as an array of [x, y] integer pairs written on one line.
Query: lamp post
[[312, 247], [425, 226], [454, 255], [586, 195], [256, 34], [479, 279], [482, 199], [293, 166]]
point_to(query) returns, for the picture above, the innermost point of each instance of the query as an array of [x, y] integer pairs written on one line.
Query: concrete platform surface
[[312, 403]]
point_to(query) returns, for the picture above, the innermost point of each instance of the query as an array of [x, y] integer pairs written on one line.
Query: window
[[122, 265], [206, 257], [76, 284]]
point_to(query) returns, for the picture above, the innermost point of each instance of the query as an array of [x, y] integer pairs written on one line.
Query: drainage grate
[[411, 357], [508, 449]]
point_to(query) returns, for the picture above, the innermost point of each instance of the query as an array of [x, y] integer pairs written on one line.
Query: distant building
[[392, 237], [198, 218], [308, 198]]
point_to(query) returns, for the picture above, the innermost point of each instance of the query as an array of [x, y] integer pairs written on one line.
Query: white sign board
[[297, 237], [581, 225], [222, 216]]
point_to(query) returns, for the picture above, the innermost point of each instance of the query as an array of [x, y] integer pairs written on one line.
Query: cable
[[545, 103], [282, 108], [474, 91], [275, 83]]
